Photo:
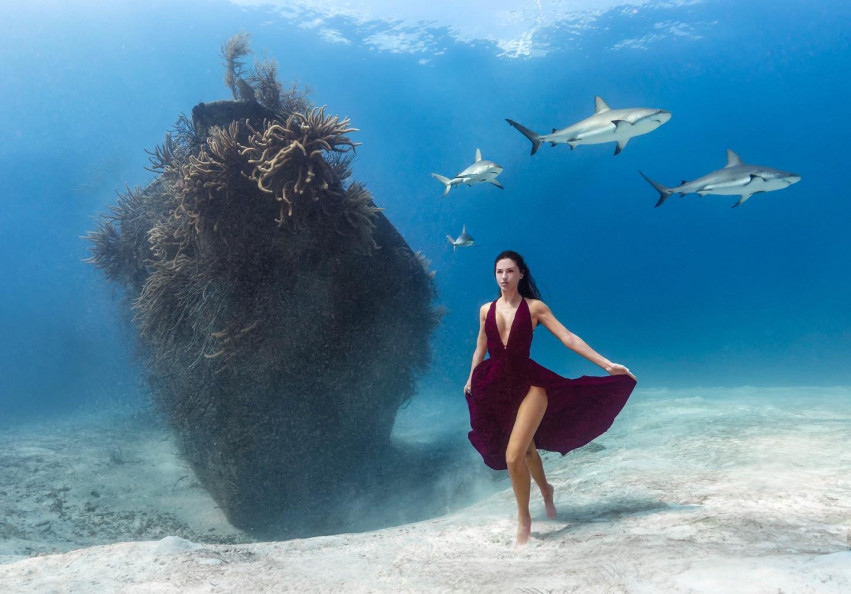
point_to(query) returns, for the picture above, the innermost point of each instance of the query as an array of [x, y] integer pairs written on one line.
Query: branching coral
[[231, 341], [267, 89], [209, 199], [119, 245], [169, 239], [288, 158], [341, 164], [210, 180], [179, 143], [179, 308], [162, 156], [233, 51], [358, 212], [271, 93]]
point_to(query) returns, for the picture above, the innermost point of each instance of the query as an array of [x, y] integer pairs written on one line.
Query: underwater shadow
[[608, 511], [409, 483]]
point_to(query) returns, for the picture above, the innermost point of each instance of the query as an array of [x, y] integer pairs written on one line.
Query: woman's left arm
[[545, 316]]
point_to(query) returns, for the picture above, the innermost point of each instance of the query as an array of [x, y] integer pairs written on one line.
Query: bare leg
[[536, 468], [529, 416]]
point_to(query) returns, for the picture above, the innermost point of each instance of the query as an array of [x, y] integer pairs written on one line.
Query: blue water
[[693, 293]]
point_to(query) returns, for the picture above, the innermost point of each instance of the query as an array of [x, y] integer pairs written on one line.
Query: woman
[[518, 406]]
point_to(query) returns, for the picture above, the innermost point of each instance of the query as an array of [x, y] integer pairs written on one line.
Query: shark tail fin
[[663, 191], [533, 136], [445, 181]]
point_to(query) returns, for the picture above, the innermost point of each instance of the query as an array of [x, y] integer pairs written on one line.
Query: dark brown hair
[[526, 287]]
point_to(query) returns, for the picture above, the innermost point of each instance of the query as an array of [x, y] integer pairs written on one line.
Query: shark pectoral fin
[[571, 144], [621, 145], [496, 183], [742, 200]]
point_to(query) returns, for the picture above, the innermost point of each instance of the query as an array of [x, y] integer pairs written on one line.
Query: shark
[[606, 125], [736, 178], [463, 240], [480, 171]]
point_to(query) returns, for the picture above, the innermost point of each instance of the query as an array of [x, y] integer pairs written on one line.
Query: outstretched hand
[[467, 388], [618, 369]]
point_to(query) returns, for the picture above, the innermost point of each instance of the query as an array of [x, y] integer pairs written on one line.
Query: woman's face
[[507, 274]]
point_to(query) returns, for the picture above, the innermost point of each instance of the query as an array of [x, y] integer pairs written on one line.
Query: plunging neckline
[[510, 326]]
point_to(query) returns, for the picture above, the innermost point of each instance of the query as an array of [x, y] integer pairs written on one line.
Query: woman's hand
[[618, 369], [467, 388]]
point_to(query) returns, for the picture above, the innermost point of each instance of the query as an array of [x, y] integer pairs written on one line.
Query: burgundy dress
[[578, 410]]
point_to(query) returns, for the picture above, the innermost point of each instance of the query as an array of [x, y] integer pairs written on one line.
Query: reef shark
[[735, 178], [606, 125], [463, 240], [481, 170]]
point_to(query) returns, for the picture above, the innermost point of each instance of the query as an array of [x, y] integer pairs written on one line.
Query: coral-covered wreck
[[283, 318]]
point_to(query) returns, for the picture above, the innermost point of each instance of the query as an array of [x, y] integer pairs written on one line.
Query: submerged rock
[[284, 318]]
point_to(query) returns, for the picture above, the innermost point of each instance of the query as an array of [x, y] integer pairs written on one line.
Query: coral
[[162, 156], [357, 216], [119, 244], [212, 178], [272, 94], [233, 51], [288, 158]]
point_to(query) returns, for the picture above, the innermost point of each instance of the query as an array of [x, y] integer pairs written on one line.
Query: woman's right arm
[[481, 346]]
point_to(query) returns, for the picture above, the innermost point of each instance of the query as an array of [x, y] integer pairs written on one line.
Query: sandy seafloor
[[705, 490]]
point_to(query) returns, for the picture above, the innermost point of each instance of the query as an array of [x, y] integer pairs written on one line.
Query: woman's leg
[[536, 469], [529, 416]]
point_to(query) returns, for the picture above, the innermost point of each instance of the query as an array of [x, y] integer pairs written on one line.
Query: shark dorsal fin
[[463, 229], [600, 105], [478, 155], [733, 159]]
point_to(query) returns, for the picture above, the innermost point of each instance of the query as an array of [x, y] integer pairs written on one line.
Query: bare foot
[[548, 502], [524, 529]]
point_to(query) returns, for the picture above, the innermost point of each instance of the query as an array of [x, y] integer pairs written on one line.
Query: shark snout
[[662, 116], [785, 177]]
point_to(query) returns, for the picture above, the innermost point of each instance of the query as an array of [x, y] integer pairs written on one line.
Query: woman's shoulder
[[536, 305], [483, 310]]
